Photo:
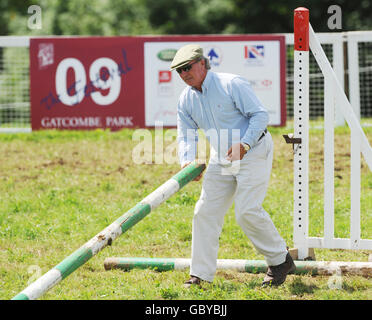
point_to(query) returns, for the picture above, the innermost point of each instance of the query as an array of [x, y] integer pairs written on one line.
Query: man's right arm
[[187, 136]]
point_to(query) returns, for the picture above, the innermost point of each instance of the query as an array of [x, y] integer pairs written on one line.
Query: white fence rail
[[14, 84], [336, 98]]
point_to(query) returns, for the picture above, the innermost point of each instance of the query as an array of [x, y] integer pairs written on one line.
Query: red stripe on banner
[[301, 29]]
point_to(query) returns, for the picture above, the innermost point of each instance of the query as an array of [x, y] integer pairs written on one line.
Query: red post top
[[301, 29]]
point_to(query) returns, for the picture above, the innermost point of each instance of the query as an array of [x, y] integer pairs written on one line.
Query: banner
[[259, 59], [121, 82], [87, 83]]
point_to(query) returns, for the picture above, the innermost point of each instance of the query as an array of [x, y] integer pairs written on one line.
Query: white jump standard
[[334, 97], [113, 231]]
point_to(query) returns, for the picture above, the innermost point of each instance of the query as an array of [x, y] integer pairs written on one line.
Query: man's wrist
[[246, 146]]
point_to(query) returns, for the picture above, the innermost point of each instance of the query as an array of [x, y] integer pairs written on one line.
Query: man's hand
[[198, 177], [236, 152]]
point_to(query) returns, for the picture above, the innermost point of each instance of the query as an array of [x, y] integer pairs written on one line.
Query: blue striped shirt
[[228, 112]]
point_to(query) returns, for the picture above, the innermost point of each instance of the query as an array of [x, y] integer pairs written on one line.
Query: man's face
[[195, 76]]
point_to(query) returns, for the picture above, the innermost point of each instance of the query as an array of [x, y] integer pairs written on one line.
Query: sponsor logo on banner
[[214, 55], [166, 54], [254, 55], [261, 84], [163, 112], [45, 55], [267, 83], [165, 76], [165, 87]]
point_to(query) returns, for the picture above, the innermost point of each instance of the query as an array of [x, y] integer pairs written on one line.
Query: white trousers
[[246, 183]]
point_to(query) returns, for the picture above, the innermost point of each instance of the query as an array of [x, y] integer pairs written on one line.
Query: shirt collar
[[206, 82]]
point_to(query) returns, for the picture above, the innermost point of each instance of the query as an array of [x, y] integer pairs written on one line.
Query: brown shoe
[[276, 275], [192, 281]]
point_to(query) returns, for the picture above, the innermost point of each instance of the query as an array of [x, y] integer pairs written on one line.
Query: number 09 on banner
[[103, 74]]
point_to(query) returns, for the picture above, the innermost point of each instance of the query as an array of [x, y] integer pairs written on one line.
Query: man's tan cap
[[185, 55]]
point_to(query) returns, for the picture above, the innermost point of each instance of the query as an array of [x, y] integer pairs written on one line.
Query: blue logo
[[214, 55], [254, 52]]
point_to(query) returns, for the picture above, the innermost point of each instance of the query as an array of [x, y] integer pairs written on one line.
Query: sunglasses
[[187, 68]]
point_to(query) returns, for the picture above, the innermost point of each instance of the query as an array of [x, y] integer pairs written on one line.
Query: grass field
[[59, 189]]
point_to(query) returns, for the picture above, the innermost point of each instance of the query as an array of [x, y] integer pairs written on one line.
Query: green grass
[[59, 189]]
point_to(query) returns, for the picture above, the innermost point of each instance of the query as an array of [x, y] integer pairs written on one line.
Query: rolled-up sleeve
[[251, 107], [187, 134]]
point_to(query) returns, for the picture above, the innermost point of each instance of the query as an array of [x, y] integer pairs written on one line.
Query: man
[[227, 110]]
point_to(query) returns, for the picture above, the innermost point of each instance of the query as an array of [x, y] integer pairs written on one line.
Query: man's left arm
[[251, 107]]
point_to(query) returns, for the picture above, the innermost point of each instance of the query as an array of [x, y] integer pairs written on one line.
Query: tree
[[138, 17]]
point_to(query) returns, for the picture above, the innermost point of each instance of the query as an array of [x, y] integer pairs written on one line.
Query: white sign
[[257, 61]]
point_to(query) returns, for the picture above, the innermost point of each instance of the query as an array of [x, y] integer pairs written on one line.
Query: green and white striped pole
[[108, 235], [251, 266]]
